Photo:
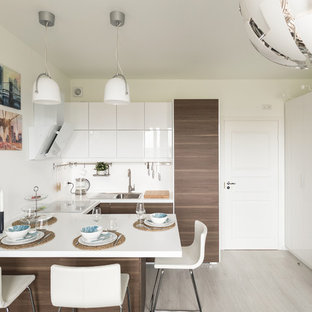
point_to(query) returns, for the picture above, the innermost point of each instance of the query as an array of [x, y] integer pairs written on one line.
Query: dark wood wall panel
[[41, 286], [197, 170]]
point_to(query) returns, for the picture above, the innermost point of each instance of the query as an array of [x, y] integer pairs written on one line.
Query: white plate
[[44, 218], [167, 223], [30, 238], [104, 239]]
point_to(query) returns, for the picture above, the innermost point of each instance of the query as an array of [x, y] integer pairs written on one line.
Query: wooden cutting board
[[156, 194]]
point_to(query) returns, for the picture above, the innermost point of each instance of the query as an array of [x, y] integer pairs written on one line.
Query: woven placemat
[[84, 247], [143, 227], [48, 236], [44, 223]]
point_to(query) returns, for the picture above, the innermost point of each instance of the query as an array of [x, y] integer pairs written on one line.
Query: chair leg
[[195, 288], [59, 309], [7, 310], [120, 308], [153, 293], [129, 301], [31, 299], [74, 310], [158, 288]]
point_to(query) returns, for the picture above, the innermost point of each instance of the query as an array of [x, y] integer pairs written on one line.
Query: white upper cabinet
[[130, 116], [159, 115], [102, 144], [77, 147], [102, 116], [158, 144], [130, 144], [76, 113]]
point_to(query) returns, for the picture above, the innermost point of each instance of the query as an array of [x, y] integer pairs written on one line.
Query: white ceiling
[[186, 39]]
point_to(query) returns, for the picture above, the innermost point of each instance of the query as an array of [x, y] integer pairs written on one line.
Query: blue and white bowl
[[91, 232], [159, 217], [17, 232]]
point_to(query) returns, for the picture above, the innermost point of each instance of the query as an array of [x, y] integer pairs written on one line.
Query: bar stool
[[192, 258], [11, 286], [88, 287]]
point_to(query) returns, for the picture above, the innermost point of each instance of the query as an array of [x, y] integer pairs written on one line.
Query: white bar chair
[[192, 258], [11, 286], [89, 287]]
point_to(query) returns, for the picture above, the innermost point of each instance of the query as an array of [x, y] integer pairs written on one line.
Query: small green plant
[[101, 166]]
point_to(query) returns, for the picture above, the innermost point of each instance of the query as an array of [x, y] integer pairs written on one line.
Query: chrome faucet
[[130, 187]]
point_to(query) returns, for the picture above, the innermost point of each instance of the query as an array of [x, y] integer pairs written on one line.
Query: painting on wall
[[10, 88], [10, 131]]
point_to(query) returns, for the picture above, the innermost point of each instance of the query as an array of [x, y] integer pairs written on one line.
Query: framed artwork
[[10, 87], [11, 137]]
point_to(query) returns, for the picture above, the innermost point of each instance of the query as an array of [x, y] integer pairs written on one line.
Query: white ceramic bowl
[[159, 217], [17, 231], [91, 232]]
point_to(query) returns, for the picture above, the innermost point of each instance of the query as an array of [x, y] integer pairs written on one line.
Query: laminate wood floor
[[244, 281]]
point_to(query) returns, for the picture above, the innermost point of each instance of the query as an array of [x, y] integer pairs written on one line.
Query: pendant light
[[45, 90], [117, 89]]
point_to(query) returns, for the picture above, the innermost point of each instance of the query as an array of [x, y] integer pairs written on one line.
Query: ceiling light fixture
[[280, 30], [117, 89], [45, 90]]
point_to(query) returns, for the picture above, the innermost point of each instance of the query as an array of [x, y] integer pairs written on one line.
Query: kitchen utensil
[[96, 214], [118, 238], [158, 217], [90, 233], [140, 211], [167, 223], [44, 237], [153, 170], [158, 173], [148, 169], [82, 186]]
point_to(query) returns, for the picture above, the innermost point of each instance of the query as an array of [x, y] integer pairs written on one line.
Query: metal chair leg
[[59, 309], [153, 293], [74, 310], [195, 288], [129, 301], [120, 308], [158, 288], [7, 310], [31, 299]]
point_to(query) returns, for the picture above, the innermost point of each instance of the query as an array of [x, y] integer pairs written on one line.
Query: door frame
[[281, 174]]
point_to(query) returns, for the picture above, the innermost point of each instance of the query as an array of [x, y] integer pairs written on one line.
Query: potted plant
[[101, 168]]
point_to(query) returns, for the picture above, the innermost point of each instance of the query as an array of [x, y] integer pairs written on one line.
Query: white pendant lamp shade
[[116, 91], [46, 91]]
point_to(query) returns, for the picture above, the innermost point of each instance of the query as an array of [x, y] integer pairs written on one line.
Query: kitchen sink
[[128, 195], [115, 196]]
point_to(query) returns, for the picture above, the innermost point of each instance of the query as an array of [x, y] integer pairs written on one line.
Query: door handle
[[228, 184]]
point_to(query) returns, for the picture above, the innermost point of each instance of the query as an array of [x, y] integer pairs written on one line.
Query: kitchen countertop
[[138, 244], [103, 198], [71, 206]]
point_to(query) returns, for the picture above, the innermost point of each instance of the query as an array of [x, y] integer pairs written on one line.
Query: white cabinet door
[[76, 113], [102, 144], [158, 144], [102, 116], [158, 115], [77, 147], [130, 116], [130, 144]]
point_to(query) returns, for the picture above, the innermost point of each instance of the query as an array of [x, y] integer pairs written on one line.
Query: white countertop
[[138, 244], [102, 199], [68, 206]]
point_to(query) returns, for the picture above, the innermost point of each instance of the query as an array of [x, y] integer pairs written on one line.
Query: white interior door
[[251, 185]]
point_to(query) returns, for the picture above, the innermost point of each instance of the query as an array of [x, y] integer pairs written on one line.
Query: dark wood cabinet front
[[196, 145]]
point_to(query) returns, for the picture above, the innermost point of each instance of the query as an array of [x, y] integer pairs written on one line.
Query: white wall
[[239, 99], [18, 175]]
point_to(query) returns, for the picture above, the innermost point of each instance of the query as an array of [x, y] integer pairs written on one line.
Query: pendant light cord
[[118, 67], [46, 51]]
